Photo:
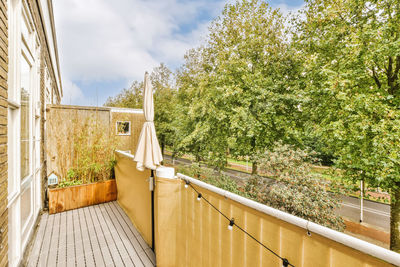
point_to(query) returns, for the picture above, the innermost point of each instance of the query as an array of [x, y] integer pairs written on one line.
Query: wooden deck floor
[[100, 235]]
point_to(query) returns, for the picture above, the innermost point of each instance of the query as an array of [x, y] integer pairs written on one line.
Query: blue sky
[[105, 45]]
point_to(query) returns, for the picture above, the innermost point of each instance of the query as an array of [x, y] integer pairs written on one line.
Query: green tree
[[351, 55], [192, 136], [242, 94], [129, 98], [162, 80]]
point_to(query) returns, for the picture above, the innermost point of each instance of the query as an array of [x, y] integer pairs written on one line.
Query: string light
[[231, 223], [285, 262], [187, 184]]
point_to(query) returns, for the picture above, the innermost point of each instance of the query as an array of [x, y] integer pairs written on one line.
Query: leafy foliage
[[165, 105], [162, 80], [328, 79], [212, 177], [351, 55], [132, 97], [92, 147], [352, 60], [240, 85], [67, 183], [296, 190]]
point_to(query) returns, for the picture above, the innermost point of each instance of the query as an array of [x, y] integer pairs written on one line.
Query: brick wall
[[3, 133]]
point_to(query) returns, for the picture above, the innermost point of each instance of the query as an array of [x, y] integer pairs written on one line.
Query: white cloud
[[72, 93], [107, 40], [290, 11], [287, 9], [103, 40]]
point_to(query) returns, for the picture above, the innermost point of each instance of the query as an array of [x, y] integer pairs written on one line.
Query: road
[[375, 214]]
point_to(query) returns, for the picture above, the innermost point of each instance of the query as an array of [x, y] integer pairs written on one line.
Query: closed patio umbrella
[[148, 153]]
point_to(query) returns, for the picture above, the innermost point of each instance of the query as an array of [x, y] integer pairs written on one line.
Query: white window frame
[[23, 45], [124, 134], [27, 182]]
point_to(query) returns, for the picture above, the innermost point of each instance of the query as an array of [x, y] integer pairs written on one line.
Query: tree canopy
[[242, 96], [327, 78], [351, 55]]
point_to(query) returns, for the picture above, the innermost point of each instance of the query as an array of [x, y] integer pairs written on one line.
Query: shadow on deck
[[100, 235]]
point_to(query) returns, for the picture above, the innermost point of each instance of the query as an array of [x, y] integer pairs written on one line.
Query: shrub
[[85, 150], [211, 177], [296, 189]]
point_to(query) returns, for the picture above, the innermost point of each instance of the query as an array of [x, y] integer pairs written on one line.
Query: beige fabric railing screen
[[192, 233], [134, 195]]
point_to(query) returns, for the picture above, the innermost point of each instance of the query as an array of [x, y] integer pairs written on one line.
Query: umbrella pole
[[152, 211]]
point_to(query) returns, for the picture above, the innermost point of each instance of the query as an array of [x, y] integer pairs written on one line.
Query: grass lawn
[[241, 162]]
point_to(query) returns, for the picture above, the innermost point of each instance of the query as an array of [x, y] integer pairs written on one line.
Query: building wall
[[3, 133], [60, 121], [32, 44], [136, 118], [61, 126]]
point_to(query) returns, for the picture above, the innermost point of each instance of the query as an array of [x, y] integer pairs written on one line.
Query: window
[[26, 207], [25, 118], [123, 128]]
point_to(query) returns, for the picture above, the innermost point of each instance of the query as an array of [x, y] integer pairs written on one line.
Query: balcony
[[192, 227]]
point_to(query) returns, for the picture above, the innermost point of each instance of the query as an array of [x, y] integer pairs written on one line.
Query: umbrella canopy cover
[[148, 153]]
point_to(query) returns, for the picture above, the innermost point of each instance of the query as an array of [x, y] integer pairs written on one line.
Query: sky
[[105, 45]]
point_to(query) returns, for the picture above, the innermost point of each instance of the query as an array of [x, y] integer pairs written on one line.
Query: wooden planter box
[[73, 197]]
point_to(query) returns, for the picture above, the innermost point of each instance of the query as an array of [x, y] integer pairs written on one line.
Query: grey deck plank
[[100, 235], [116, 236], [149, 252], [35, 252], [126, 226], [109, 234], [87, 246], [62, 241], [130, 249], [79, 249], [44, 250], [131, 230], [125, 218], [96, 250], [71, 257], [53, 250], [146, 260], [107, 256], [151, 255]]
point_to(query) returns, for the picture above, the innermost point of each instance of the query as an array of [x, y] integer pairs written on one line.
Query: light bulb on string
[[231, 223], [285, 262], [187, 184]]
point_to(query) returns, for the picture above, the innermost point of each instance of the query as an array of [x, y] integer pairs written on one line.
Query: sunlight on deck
[[100, 235]]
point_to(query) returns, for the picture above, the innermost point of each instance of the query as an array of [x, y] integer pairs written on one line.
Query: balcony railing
[[191, 227]]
